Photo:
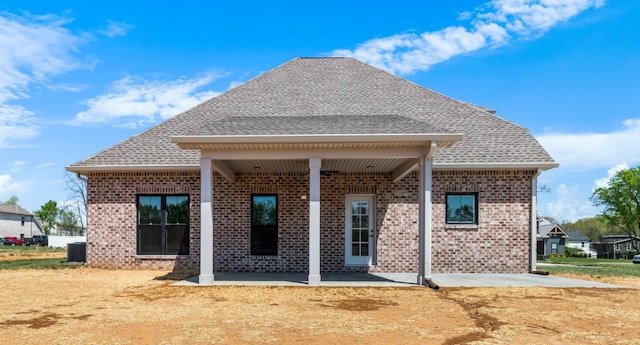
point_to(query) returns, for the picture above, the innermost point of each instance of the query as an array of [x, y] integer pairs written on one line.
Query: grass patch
[[49, 263], [593, 267], [27, 251]]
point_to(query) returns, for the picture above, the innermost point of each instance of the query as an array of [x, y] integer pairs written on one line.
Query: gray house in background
[[617, 246], [551, 238], [15, 221]]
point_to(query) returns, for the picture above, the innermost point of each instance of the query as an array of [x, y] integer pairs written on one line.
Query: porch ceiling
[[376, 165]]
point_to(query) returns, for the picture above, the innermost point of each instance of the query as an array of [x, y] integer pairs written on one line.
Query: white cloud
[[594, 150], [46, 165], [10, 187], [16, 124], [490, 26], [115, 29], [16, 166], [571, 204], [131, 103], [604, 182], [32, 50]]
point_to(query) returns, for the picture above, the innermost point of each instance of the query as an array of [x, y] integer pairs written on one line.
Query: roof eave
[[314, 139], [495, 166], [82, 169]]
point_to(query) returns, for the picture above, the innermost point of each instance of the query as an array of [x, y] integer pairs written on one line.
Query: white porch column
[[314, 221], [534, 223], [424, 219], [206, 223]]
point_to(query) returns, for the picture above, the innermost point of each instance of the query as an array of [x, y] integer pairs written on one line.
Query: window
[[163, 225], [462, 208], [628, 247], [618, 246], [264, 224], [554, 248]]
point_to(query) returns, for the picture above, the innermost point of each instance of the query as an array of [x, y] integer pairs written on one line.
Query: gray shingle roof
[[342, 91], [14, 209], [316, 124], [577, 236]]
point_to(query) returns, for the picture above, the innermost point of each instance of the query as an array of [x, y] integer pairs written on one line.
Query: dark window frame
[[475, 206], [165, 243], [264, 237]]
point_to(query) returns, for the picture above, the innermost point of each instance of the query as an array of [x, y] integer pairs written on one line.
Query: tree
[[77, 188], [593, 227], [48, 215], [621, 201], [13, 200], [68, 223]]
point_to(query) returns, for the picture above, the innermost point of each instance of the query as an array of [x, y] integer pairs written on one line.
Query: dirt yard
[[86, 306]]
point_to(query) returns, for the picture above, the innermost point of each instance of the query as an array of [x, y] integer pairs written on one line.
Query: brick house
[[319, 165]]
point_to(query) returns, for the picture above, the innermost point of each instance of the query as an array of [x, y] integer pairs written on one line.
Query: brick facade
[[499, 243]]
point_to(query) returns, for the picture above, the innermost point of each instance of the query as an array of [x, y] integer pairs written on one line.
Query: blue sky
[[79, 76]]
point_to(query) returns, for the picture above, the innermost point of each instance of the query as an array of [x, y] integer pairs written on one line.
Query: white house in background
[[15, 221], [579, 240]]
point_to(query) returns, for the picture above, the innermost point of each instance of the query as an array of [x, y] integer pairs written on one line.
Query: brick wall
[[499, 243], [111, 213]]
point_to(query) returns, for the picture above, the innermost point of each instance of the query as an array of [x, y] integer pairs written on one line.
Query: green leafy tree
[[13, 200], [48, 216], [593, 227], [621, 201]]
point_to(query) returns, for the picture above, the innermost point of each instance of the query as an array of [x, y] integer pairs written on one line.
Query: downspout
[[81, 177], [534, 222]]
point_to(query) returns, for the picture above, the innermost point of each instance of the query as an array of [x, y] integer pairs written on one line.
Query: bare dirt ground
[[87, 306]]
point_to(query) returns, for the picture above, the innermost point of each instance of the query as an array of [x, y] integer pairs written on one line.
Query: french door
[[359, 230]]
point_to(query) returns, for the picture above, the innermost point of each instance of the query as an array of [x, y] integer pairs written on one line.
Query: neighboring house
[[17, 222], [617, 246], [551, 238], [319, 165], [578, 240]]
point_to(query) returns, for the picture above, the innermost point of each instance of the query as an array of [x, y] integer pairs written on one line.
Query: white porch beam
[[314, 221], [206, 223], [284, 153], [425, 226], [223, 169], [403, 170]]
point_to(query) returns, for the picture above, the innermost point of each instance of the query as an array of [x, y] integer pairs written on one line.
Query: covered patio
[[316, 145]]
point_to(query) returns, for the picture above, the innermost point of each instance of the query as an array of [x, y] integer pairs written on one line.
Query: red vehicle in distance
[[15, 240]]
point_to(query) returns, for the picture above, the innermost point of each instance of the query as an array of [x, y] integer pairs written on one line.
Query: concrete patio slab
[[399, 280]]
